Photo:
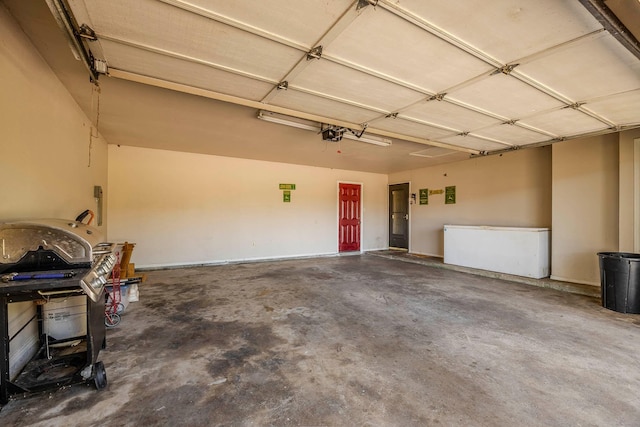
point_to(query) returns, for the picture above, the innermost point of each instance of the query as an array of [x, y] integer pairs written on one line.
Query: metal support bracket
[[315, 53], [76, 35], [437, 97], [364, 3], [505, 69], [100, 66], [86, 33], [575, 105]]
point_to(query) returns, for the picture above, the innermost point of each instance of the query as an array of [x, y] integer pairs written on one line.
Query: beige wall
[[585, 206], [629, 200], [182, 208], [48, 167], [513, 189]]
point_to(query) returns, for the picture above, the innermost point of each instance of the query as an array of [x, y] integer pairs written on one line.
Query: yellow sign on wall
[[424, 196], [450, 195]]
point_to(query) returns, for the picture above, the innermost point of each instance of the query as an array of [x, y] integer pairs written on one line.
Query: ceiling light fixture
[[295, 122], [280, 119], [382, 142]]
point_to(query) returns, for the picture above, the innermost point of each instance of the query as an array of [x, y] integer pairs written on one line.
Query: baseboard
[[427, 254], [149, 267], [386, 248], [580, 282]]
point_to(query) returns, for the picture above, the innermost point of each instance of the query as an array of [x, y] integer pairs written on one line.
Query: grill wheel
[[100, 377]]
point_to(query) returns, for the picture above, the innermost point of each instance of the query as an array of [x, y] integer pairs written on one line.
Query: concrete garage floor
[[354, 341]]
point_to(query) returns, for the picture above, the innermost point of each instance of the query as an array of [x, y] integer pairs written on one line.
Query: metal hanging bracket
[[437, 97], [75, 34], [575, 105], [100, 66], [315, 53], [505, 69], [359, 134], [86, 33], [364, 3]]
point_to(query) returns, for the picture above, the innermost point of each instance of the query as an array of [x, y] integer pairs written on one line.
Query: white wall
[[182, 208], [509, 190], [48, 168]]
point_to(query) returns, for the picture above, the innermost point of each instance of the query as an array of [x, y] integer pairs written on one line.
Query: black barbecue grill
[[52, 301]]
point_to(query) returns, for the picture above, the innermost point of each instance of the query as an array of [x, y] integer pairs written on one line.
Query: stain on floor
[[358, 340]]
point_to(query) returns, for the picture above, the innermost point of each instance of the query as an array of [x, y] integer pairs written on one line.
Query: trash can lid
[[623, 255]]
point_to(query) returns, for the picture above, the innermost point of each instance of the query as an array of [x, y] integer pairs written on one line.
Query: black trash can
[[620, 281]]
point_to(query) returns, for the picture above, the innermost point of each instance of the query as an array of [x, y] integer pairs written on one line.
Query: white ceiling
[[468, 75]]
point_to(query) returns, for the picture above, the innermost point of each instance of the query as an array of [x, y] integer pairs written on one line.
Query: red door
[[349, 220]]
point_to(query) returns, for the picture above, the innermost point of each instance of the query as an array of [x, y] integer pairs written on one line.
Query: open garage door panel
[[511, 74]]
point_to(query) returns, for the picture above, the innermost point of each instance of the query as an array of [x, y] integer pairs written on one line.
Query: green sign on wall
[[450, 195], [287, 186], [286, 196], [424, 196]]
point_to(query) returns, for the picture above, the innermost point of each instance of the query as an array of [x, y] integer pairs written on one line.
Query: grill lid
[[71, 240], [55, 244]]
